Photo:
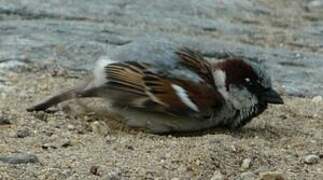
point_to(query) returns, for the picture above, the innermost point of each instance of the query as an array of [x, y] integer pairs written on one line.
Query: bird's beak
[[272, 97]]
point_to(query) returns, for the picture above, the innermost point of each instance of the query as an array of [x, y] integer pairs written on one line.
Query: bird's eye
[[250, 83], [258, 82]]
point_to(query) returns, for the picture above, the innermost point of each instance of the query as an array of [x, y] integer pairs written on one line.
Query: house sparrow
[[184, 92]]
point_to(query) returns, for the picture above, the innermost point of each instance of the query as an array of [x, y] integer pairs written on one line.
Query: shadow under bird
[[183, 92]]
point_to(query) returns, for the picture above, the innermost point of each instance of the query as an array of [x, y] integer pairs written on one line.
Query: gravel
[[272, 176], [248, 176], [217, 175], [19, 158], [274, 140]]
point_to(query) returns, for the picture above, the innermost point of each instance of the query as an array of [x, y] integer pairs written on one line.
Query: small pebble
[[70, 127], [217, 175], [48, 132], [111, 139], [19, 158], [247, 176], [130, 147], [100, 127], [95, 170], [4, 120], [315, 5], [22, 133], [48, 146], [317, 99], [245, 164], [114, 175], [272, 175], [311, 159], [66, 143]]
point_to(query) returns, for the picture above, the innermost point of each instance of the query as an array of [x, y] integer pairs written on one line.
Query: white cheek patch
[[181, 93], [99, 72], [219, 81]]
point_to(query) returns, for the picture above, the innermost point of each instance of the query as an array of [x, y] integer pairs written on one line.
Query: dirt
[[68, 147]]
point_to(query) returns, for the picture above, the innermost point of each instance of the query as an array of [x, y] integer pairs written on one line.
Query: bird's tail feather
[[81, 91]]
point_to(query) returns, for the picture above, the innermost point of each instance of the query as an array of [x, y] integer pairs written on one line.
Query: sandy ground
[[80, 142]]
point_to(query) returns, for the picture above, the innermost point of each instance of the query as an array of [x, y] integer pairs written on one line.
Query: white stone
[[317, 99], [246, 164], [311, 159], [70, 127], [100, 127], [217, 176], [315, 5]]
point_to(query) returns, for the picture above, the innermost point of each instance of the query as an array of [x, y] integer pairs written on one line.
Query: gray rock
[[248, 176], [22, 133], [311, 159], [95, 170], [66, 143], [217, 176], [19, 158], [4, 120], [317, 99], [315, 5]]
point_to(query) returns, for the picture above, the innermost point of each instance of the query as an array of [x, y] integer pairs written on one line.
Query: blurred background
[[286, 34]]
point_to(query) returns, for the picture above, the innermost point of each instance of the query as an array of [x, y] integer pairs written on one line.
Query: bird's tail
[[81, 91]]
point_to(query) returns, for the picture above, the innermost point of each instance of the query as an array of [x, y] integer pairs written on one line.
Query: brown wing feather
[[195, 61], [161, 89], [201, 95], [125, 77], [153, 92], [128, 79]]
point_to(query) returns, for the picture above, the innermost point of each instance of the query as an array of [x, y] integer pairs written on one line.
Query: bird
[[181, 91]]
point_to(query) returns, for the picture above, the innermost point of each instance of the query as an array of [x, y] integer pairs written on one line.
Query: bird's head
[[251, 76]]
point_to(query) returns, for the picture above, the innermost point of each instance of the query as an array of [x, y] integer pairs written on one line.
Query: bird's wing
[[195, 61], [148, 90]]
